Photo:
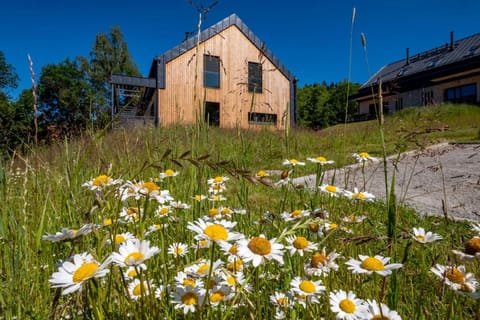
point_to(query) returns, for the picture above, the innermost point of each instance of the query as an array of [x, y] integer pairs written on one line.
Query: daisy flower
[[261, 174], [258, 249], [137, 190], [72, 275], [457, 278], [359, 195], [131, 214], [217, 198], [217, 188], [369, 265], [163, 211], [123, 237], [217, 180], [381, 311], [353, 218], [320, 160], [419, 235], [292, 162], [188, 298], [308, 288], [294, 215], [69, 234], [132, 272], [299, 245], [137, 289], [133, 253], [234, 280], [234, 264], [331, 190], [184, 280], [155, 228], [471, 252], [168, 173], [280, 300], [219, 294], [364, 156], [214, 231], [199, 197], [179, 205], [347, 306], [100, 182], [321, 263], [178, 249], [202, 268]]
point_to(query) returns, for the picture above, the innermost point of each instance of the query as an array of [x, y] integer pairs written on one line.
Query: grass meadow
[[191, 222]]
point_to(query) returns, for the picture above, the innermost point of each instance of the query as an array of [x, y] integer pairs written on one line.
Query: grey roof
[[440, 57], [211, 32]]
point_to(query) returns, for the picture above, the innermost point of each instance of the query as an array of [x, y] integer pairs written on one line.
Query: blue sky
[[312, 38]]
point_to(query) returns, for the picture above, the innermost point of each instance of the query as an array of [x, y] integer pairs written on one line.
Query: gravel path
[[438, 179]]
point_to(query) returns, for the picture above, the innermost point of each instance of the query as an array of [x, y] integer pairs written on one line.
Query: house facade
[[449, 73], [225, 76]]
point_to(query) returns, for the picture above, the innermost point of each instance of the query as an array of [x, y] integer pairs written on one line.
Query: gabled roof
[[429, 61], [232, 20]]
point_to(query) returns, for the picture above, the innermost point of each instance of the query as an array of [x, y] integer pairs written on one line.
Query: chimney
[[451, 40], [407, 59]]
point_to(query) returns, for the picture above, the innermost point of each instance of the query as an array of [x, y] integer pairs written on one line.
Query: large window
[[262, 118], [211, 71], [462, 94], [255, 77]]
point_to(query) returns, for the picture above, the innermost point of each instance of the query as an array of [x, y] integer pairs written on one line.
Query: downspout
[[293, 102], [157, 97]]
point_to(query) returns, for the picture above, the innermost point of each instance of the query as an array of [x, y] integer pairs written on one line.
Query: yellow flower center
[[218, 179], [132, 210], [178, 250], [164, 210], [420, 237], [331, 189], [455, 275], [198, 197], [261, 174], [347, 306], [472, 246], [189, 282], [225, 211], [100, 180], [318, 259], [134, 257], [233, 250], [150, 186], [364, 155], [282, 301], [107, 222], [169, 172], [260, 246], [231, 281], [333, 225], [189, 298], [372, 264], [294, 161], [313, 227], [202, 243], [359, 196], [119, 239], [217, 296], [216, 232], [307, 286], [300, 243], [132, 273], [296, 213], [321, 159], [139, 288], [380, 317], [235, 265], [203, 268], [85, 271], [213, 212]]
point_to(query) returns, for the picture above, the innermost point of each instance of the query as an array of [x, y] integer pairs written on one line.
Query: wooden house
[[225, 76], [449, 73]]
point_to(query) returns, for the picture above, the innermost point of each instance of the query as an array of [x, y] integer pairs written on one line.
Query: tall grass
[[42, 193]]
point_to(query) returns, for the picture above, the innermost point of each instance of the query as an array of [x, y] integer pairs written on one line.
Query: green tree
[[64, 102], [8, 76], [337, 101], [109, 56]]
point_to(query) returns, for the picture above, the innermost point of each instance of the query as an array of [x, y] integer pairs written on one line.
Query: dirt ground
[[443, 178]]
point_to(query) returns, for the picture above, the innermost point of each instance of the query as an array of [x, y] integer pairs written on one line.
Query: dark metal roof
[[232, 20], [429, 62], [132, 81]]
